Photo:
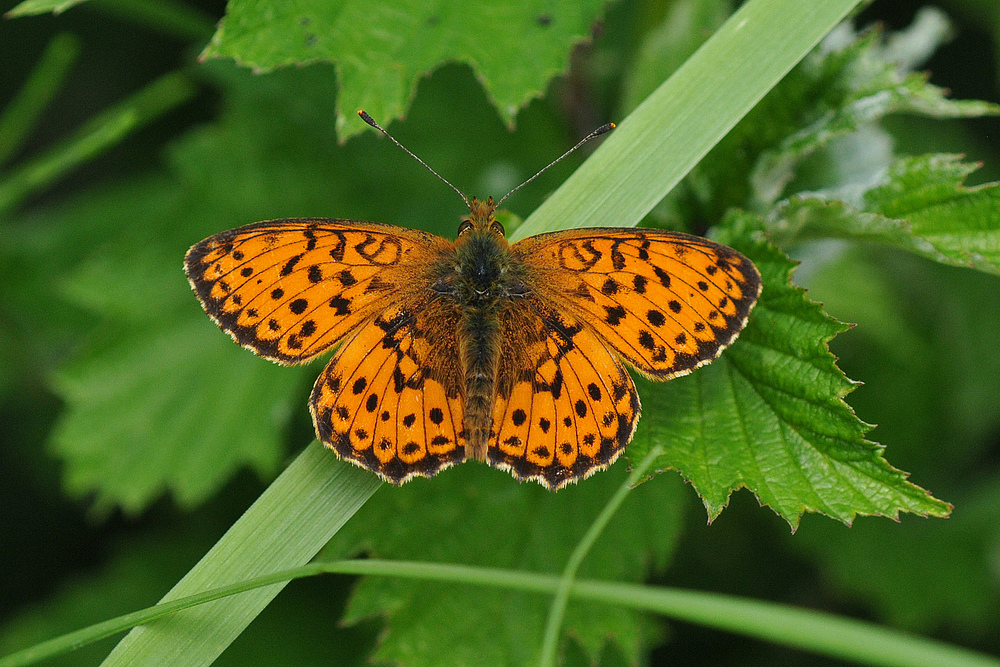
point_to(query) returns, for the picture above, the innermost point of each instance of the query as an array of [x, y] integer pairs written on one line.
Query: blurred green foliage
[[121, 462]]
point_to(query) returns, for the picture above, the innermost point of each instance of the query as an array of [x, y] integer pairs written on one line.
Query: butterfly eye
[[464, 227], [497, 228]]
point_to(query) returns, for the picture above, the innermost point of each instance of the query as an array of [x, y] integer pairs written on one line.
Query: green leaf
[[158, 410], [861, 83], [919, 205], [769, 414], [472, 514], [382, 49]]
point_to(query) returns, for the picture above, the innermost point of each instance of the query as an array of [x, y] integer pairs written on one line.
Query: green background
[[926, 348]]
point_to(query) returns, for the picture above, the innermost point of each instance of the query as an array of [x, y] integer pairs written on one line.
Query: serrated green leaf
[[471, 514], [920, 205], [860, 84], [962, 223], [769, 414], [382, 49]]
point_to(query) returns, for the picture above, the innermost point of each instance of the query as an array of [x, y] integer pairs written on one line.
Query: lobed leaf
[[382, 50], [769, 414]]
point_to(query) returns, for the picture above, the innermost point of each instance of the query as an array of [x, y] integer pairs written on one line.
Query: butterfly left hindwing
[[566, 407]]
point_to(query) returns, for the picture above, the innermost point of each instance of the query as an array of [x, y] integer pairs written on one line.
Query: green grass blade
[[170, 17], [102, 132], [285, 528], [813, 631], [27, 106], [550, 642], [685, 117], [35, 7]]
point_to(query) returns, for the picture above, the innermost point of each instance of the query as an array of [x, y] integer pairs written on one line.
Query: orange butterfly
[[509, 354]]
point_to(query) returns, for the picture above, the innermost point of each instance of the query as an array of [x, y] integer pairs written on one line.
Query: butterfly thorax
[[484, 280]]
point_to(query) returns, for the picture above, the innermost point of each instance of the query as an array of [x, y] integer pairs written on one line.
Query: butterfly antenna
[[603, 129], [371, 121]]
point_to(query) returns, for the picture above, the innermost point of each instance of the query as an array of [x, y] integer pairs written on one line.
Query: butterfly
[[512, 354]]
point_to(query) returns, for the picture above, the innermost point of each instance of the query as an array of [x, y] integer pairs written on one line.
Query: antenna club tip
[[604, 129], [365, 117]]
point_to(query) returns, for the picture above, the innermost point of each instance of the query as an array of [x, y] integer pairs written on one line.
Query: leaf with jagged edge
[[920, 204], [769, 414], [382, 50]]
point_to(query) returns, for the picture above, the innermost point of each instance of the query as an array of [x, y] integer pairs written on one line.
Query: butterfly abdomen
[[479, 339], [482, 261]]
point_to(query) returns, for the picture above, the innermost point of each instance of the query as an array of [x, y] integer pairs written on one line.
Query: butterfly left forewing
[[290, 289], [667, 302]]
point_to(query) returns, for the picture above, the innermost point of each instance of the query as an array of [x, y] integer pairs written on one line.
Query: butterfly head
[[482, 219]]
